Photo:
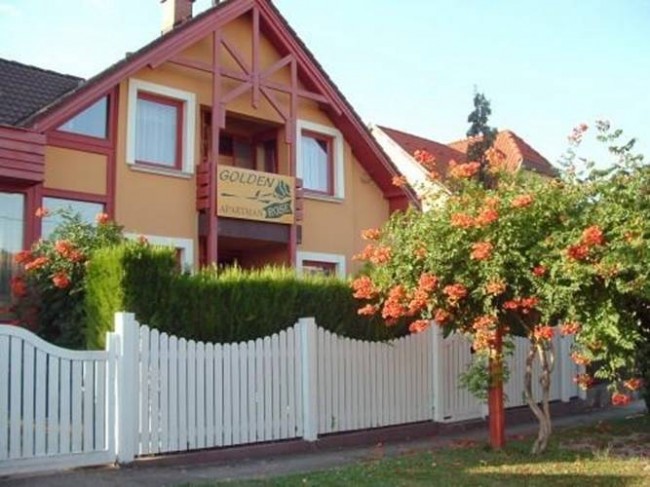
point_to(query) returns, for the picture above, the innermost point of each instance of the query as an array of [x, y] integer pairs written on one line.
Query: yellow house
[[223, 138]]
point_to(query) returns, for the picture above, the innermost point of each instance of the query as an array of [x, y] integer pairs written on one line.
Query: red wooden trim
[[277, 66], [218, 121], [21, 135], [78, 142], [192, 64], [236, 92], [111, 163], [256, 57], [275, 103], [330, 162], [229, 73], [65, 194], [301, 93], [23, 146], [234, 52], [30, 195], [178, 104]]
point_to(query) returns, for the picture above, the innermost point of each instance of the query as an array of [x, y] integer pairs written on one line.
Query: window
[[161, 129], [157, 131], [183, 248], [86, 209], [317, 263], [12, 231], [317, 163], [92, 122], [320, 160]]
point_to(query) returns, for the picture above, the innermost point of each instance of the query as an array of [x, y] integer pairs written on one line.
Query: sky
[[412, 65]]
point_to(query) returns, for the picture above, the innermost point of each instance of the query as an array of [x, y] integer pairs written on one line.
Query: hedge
[[221, 306]]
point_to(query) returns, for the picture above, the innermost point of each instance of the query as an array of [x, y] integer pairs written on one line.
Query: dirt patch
[[623, 446]]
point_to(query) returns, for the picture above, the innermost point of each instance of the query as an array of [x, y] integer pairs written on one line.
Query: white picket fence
[[151, 393]]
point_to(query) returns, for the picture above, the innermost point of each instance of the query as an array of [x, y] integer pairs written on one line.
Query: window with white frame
[[161, 128], [320, 159], [319, 263]]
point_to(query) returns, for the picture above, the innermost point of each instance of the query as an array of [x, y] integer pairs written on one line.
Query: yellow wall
[[162, 205], [74, 170]]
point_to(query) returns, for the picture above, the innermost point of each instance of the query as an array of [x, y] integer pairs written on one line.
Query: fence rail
[[151, 393]]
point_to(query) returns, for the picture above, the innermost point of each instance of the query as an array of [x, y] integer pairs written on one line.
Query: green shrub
[[225, 305]]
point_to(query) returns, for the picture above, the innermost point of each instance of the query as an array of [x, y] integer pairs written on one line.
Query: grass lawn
[[607, 454]]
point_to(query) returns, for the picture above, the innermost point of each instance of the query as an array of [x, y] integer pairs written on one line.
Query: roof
[[25, 89], [410, 143], [516, 150], [367, 150]]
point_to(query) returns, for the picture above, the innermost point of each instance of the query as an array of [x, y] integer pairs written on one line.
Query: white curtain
[[315, 164], [156, 132], [12, 229]]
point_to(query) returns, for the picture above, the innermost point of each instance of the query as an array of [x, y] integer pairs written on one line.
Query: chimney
[[175, 13]]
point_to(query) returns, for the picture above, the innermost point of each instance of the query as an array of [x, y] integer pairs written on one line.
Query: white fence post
[[437, 372], [126, 328], [308, 346], [566, 380]]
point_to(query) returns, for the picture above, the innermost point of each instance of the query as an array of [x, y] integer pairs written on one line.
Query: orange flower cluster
[[481, 251], [101, 218], [462, 220], [495, 288], [570, 328], [580, 359], [540, 271], [425, 158], [484, 332], [593, 237], [18, 287], [418, 326], [363, 288], [428, 282], [399, 181], [486, 216], [393, 306], [418, 302], [633, 384], [368, 310], [584, 381], [464, 170], [23, 257], [66, 249], [376, 255], [522, 201], [42, 212], [61, 280], [442, 317], [619, 399], [455, 292], [37, 263], [523, 305], [543, 332], [371, 234]]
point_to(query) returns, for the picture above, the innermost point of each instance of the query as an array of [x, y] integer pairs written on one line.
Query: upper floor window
[[92, 122], [158, 133], [317, 163], [320, 160], [161, 129]]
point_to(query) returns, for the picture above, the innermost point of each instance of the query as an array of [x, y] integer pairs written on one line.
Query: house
[[223, 138], [400, 147]]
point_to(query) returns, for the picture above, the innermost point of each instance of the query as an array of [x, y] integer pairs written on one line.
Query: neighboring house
[[400, 147], [223, 138]]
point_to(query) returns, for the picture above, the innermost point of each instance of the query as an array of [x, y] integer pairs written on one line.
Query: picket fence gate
[[150, 393]]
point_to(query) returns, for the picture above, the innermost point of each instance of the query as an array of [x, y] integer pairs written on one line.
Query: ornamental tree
[[49, 294], [526, 256]]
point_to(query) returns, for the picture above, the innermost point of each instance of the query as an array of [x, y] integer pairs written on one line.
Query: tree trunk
[[543, 413]]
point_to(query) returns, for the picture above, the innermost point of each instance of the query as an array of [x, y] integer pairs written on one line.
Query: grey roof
[[25, 89]]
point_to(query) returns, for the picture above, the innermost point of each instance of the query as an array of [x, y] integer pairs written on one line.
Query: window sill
[[161, 171], [322, 197]]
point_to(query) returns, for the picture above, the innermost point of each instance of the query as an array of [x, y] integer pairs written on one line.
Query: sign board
[[254, 195]]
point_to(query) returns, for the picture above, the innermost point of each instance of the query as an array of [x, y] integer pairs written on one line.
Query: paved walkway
[[150, 476]]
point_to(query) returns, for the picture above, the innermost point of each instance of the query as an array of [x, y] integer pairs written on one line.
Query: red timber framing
[[267, 19], [22, 155], [106, 147]]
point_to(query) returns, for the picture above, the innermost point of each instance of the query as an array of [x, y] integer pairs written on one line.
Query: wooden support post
[[495, 395], [126, 328], [308, 347], [212, 239]]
